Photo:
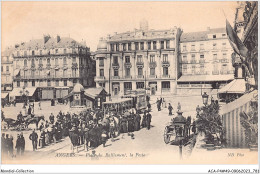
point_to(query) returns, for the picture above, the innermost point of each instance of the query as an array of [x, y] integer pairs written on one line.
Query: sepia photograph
[[129, 82]]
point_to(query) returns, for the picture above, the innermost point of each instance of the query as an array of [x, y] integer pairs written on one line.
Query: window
[[193, 69], [128, 85], [184, 58], [56, 61], [18, 83], [224, 68], [101, 72], [142, 45], [48, 61], [49, 52], [165, 57], [165, 71], [224, 45], [162, 44], [25, 62], [74, 59], [202, 56], [74, 72], [101, 61], [33, 83], [214, 36], [215, 56], [116, 72], [33, 62], [140, 71], [115, 60], [139, 85], [129, 46], [184, 48], [74, 51], [25, 84], [25, 53], [33, 73], [215, 67], [166, 85], [139, 58], [202, 46], [167, 44], [214, 46], [64, 61], [40, 61], [124, 46], [184, 69], [224, 55], [192, 47], [33, 53], [64, 51], [152, 71], [7, 68], [112, 47], [2, 69], [117, 47], [56, 51], [57, 83], [127, 59], [48, 83], [40, 52], [202, 68], [154, 45], [65, 82], [136, 46], [18, 53], [149, 45], [127, 71], [152, 58], [65, 74], [56, 73]]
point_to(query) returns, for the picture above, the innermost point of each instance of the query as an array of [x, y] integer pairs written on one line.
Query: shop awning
[[17, 91], [4, 95], [16, 72], [237, 86], [93, 92], [205, 78]]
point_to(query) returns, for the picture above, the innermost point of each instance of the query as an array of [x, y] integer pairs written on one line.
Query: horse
[[35, 120], [11, 122]]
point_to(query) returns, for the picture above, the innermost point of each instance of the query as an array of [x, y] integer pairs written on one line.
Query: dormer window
[[214, 36]]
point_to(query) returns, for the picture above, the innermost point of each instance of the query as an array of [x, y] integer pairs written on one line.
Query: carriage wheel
[[167, 137]]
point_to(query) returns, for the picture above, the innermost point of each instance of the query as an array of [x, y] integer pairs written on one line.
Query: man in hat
[[3, 144], [51, 118], [34, 138], [20, 144], [170, 109], [149, 119]]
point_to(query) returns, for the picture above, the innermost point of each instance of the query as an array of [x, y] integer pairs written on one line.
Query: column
[[133, 85], [121, 85], [159, 88], [173, 84]]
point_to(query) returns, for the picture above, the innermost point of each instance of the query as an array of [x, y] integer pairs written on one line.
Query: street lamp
[[24, 93], [205, 98]]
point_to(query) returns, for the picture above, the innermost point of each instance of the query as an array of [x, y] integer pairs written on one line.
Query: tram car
[[138, 97], [118, 105], [177, 130]]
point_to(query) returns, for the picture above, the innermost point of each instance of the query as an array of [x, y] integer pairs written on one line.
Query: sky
[[23, 21]]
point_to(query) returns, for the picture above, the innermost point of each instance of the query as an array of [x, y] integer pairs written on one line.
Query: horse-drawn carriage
[[178, 130]]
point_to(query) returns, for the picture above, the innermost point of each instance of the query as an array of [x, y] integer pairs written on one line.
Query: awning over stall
[[17, 91], [4, 95], [16, 72], [237, 86], [205, 78], [93, 92]]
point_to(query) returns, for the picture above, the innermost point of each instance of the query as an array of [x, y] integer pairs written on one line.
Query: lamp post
[[205, 98], [24, 93]]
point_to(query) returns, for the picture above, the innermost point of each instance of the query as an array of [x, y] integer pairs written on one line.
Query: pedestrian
[[104, 138], [170, 109], [179, 106], [161, 101], [123, 124], [149, 119], [39, 108], [3, 144], [20, 144], [144, 120], [34, 138], [51, 118], [10, 145], [149, 106], [158, 105], [137, 119], [29, 110], [42, 139]]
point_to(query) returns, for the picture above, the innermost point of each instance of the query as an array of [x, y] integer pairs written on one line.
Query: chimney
[[58, 38], [46, 38]]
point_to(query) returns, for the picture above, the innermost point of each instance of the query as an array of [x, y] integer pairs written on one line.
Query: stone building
[[139, 59], [7, 70], [205, 61], [52, 66]]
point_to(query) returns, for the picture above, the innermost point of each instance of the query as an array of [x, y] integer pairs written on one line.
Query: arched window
[[40, 61], [33, 63], [48, 61], [33, 53], [64, 60]]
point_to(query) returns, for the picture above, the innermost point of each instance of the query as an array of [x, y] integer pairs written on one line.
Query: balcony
[[152, 76], [184, 61], [128, 77], [139, 63], [165, 63], [202, 61], [115, 77], [115, 65], [224, 60], [140, 76], [152, 64], [48, 66], [101, 65], [45, 76], [74, 65], [165, 76], [223, 72], [193, 61], [128, 65], [7, 62], [99, 78], [215, 72]]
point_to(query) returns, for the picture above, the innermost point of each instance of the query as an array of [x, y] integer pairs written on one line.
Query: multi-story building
[[52, 66], [137, 60], [205, 61], [7, 70]]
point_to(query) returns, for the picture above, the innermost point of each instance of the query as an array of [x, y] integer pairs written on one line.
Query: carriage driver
[[20, 117]]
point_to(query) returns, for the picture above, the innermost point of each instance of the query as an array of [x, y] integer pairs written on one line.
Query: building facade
[[204, 61], [7, 70], [139, 59], [52, 66]]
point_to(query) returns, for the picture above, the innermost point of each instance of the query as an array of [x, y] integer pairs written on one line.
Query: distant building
[[138, 59], [7, 70], [52, 66], [205, 61]]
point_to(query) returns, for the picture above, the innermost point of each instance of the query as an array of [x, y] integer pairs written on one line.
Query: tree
[[250, 122]]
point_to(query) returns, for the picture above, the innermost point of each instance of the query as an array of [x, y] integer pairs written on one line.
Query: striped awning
[[4, 95], [237, 86], [19, 91], [16, 72]]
